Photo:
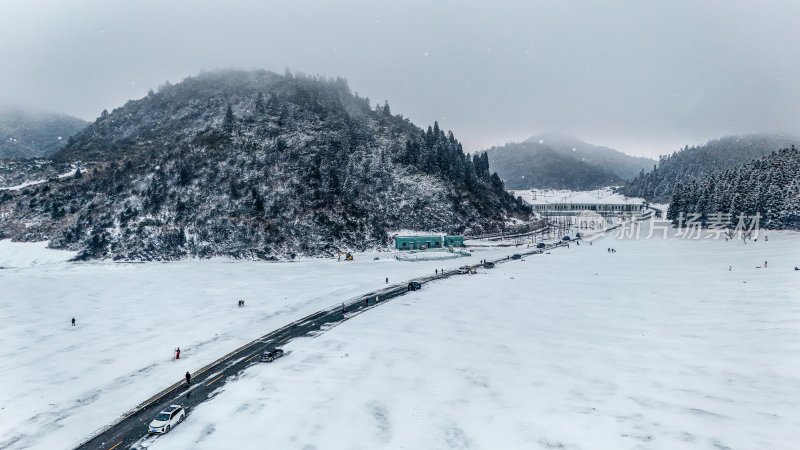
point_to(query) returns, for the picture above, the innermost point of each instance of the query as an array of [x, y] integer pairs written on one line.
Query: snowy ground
[[656, 346], [59, 384]]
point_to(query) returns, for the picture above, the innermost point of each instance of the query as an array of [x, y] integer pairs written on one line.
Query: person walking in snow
[[765, 264], [437, 271], [188, 379], [73, 321], [344, 309], [387, 280], [730, 268], [178, 353]]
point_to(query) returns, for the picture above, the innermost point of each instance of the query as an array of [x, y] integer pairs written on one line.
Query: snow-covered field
[[59, 384], [656, 346]]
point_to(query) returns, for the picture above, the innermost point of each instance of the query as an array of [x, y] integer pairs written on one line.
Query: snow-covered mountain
[[769, 186], [28, 133], [255, 164], [557, 161], [693, 164]]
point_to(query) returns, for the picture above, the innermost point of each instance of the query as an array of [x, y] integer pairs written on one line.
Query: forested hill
[[769, 186], [696, 163], [30, 133], [256, 165], [558, 161]]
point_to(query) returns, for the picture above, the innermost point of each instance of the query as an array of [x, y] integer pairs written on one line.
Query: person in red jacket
[[178, 353]]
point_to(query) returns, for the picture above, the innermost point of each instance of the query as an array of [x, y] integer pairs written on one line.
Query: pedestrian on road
[[437, 271], [344, 309], [178, 353], [387, 280], [73, 321], [188, 379], [765, 264]]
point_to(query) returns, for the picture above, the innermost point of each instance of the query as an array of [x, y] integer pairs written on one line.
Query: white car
[[167, 419]]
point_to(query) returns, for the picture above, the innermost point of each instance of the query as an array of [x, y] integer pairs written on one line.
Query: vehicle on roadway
[[167, 419], [516, 256], [271, 355], [464, 269], [540, 245], [565, 238], [488, 265], [414, 286]]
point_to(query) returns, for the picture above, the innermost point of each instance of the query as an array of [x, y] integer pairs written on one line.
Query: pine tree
[[261, 105], [229, 121]]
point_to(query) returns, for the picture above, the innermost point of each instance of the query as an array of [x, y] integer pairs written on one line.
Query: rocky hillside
[[563, 162], [30, 133], [692, 164], [256, 165]]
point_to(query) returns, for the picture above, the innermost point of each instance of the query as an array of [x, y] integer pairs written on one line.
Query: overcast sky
[[642, 76]]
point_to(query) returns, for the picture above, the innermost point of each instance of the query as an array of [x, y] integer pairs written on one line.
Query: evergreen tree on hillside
[[767, 186], [229, 121]]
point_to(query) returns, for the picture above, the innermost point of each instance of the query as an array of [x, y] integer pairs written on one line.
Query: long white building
[[572, 203]]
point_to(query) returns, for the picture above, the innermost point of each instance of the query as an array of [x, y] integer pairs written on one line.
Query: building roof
[[584, 198]]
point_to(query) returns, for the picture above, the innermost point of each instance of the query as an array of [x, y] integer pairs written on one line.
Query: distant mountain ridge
[[558, 161], [30, 133], [695, 163], [252, 164]]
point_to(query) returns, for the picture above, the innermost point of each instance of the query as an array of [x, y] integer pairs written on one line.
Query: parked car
[[271, 355], [414, 286], [540, 245], [488, 265], [167, 419], [565, 238], [463, 269], [516, 256]]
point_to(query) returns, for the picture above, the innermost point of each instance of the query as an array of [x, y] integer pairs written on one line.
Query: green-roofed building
[[427, 242], [454, 241], [417, 242]]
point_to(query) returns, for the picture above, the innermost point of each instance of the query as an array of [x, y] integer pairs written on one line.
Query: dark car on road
[[516, 256], [271, 355], [565, 238], [414, 286], [488, 265], [540, 245]]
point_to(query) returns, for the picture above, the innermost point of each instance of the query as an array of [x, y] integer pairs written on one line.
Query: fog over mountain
[[27, 132], [641, 77], [560, 161]]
